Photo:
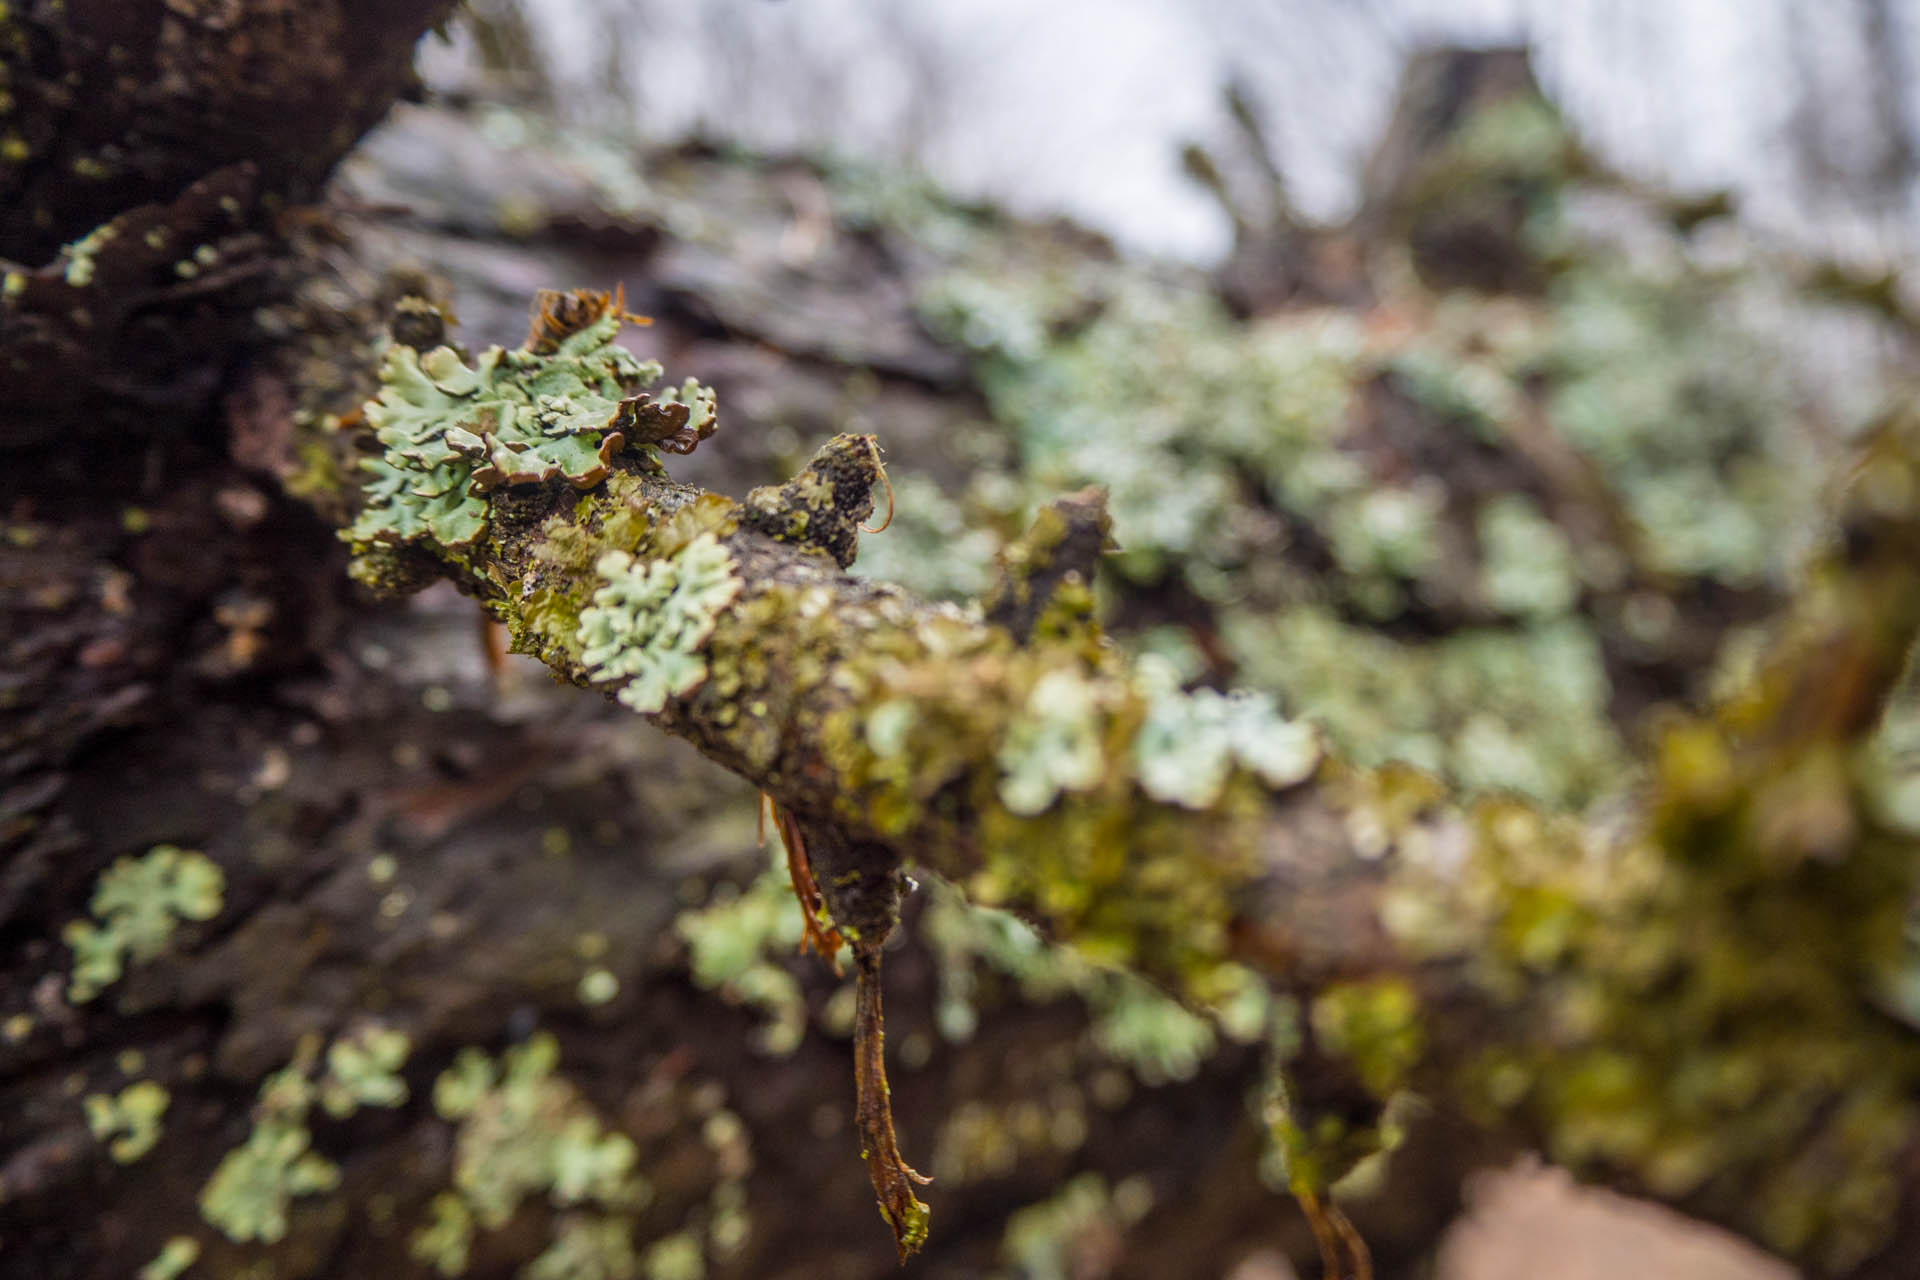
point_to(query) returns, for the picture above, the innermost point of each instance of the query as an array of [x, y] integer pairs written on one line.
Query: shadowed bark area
[[150, 155]]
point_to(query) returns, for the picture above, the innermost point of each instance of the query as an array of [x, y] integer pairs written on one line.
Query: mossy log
[[1702, 1000], [1697, 1001]]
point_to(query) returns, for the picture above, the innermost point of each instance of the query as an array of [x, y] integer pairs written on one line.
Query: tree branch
[[1693, 1001]]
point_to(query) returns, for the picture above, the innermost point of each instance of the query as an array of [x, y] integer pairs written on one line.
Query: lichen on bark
[[1017, 765]]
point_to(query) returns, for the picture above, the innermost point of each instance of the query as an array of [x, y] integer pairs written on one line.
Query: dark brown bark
[[167, 146]]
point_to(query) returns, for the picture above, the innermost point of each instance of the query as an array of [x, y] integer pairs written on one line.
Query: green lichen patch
[[446, 1241], [252, 1189], [676, 1257], [1528, 566], [648, 624], [452, 432], [1054, 745], [1523, 711], [363, 1070], [128, 1122], [587, 1246], [1131, 1021], [735, 943], [936, 545], [1042, 1240], [137, 905], [1190, 742], [525, 1131], [175, 1256]]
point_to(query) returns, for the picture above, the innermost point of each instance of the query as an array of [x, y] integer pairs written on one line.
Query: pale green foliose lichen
[[1470, 706], [129, 1123], [1131, 1021], [523, 1131], [253, 1187], [647, 625], [1303, 463], [1041, 1239], [587, 1247], [735, 944], [1387, 532], [1163, 401], [362, 1071], [1053, 745], [137, 905], [930, 548], [676, 1257], [175, 1256], [1527, 566], [1690, 416], [452, 432], [1189, 742], [447, 1239]]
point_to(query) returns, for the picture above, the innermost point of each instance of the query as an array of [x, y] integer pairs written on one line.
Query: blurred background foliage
[[1514, 450]]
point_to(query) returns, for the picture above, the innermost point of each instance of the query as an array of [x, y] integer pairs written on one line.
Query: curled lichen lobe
[[453, 433]]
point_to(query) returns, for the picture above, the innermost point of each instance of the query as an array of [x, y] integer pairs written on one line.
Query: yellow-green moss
[[1375, 1025]]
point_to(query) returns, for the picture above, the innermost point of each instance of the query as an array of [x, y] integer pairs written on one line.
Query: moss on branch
[[1692, 1003]]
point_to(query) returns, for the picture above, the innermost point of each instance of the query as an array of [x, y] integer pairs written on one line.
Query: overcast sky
[[1081, 105]]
